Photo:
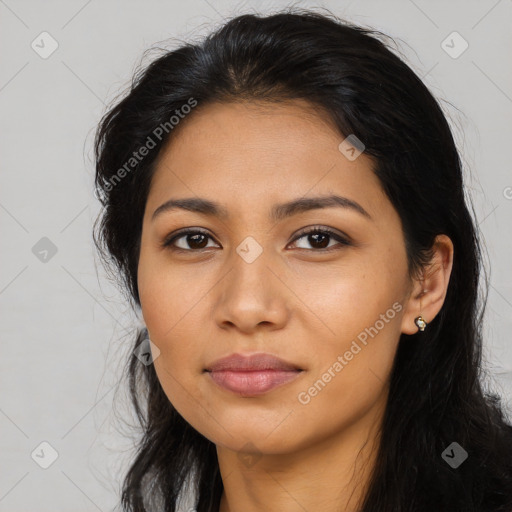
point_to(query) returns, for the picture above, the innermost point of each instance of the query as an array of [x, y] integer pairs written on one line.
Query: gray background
[[66, 329]]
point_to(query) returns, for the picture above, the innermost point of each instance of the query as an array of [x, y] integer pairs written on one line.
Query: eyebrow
[[277, 213]]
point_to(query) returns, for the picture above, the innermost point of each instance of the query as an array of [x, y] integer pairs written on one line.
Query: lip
[[253, 362], [252, 375]]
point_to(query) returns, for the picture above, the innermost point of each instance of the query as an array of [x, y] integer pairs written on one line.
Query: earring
[[420, 322]]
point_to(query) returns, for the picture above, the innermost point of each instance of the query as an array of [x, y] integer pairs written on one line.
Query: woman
[[284, 203]]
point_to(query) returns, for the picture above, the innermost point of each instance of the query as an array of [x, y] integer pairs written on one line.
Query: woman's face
[[253, 283]]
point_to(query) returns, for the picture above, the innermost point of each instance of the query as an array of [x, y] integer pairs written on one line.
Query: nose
[[252, 296]]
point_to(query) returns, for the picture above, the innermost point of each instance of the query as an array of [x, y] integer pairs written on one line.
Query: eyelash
[[169, 241]]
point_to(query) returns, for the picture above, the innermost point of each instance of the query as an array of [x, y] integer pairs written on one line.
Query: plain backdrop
[[66, 330]]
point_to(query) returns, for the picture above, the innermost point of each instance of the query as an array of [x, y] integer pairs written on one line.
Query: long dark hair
[[436, 394]]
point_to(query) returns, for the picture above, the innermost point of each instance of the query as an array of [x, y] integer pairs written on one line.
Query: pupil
[[195, 237], [323, 243]]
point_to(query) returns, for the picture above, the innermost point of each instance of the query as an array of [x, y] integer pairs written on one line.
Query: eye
[[195, 239], [319, 238]]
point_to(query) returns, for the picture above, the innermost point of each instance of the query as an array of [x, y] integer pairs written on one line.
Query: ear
[[429, 291]]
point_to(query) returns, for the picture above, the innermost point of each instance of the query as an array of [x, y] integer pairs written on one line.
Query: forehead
[[253, 123], [259, 151]]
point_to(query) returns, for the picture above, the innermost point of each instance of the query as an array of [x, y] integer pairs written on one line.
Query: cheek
[[171, 315], [171, 307], [342, 299], [359, 317], [355, 338], [350, 375], [169, 294], [174, 328]]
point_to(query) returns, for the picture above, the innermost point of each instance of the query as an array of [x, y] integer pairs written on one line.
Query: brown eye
[[319, 239], [190, 240]]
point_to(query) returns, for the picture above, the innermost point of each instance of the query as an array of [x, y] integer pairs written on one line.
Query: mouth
[[252, 375]]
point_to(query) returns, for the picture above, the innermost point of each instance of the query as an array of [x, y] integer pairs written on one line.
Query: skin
[[295, 301]]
